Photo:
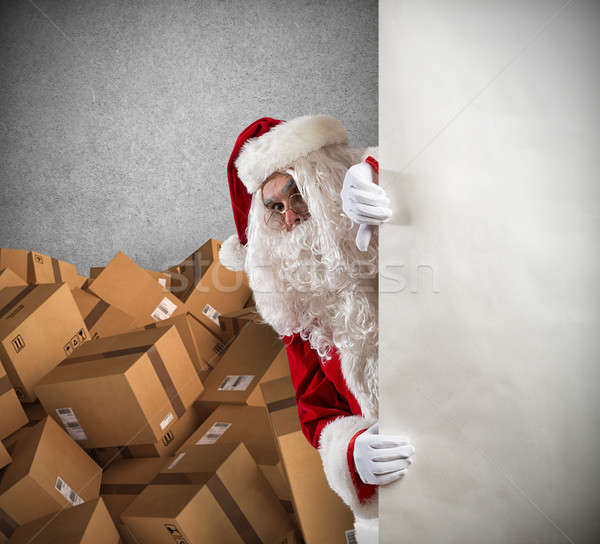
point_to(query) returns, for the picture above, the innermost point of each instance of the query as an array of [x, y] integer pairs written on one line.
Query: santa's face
[[307, 276], [284, 206]]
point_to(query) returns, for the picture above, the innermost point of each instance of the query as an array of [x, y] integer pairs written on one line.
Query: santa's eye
[[277, 206]]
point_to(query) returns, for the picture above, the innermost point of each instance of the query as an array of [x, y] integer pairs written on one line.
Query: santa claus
[[305, 206]]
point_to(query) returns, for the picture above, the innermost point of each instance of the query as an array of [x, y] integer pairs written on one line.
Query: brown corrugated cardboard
[[163, 279], [322, 515], [95, 271], [177, 434], [124, 389], [130, 288], [44, 269], [49, 472], [231, 423], [40, 325], [122, 482], [11, 440], [5, 457], [16, 260], [101, 318], [210, 289], [8, 278], [256, 355], [35, 411], [216, 496], [12, 416], [204, 348], [88, 523], [231, 323]]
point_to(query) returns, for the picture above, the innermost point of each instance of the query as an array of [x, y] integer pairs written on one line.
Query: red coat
[[322, 395]]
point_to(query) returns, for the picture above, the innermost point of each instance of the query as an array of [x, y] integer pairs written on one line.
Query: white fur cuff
[[283, 144], [333, 447], [232, 254]]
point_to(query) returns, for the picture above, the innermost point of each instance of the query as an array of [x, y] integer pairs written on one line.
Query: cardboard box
[[171, 441], [322, 515], [8, 278], [16, 260], [5, 457], [130, 288], [210, 289], [87, 523], [122, 482], [163, 279], [35, 411], [40, 325], [216, 496], [204, 348], [231, 423], [11, 440], [12, 415], [44, 269], [49, 472], [231, 323], [256, 355], [100, 317], [122, 390], [95, 271]]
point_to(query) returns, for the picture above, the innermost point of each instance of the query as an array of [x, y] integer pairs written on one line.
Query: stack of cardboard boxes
[[149, 407]]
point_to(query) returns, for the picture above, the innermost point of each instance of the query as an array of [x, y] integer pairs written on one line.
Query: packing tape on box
[[56, 269], [189, 350], [15, 300], [221, 495], [232, 510], [281, 404], [96, 313], [197, 268], [156, 361], [166, 381], [7, 524]]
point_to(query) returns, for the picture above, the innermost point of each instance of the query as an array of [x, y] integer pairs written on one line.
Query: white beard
[[314, 281]]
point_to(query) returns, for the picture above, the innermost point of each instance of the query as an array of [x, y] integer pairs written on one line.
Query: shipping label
[[212, 314], [165, 422], [67, 492], [71, 423], [213, 434], [236, 383], [164, 310], [176, 460]]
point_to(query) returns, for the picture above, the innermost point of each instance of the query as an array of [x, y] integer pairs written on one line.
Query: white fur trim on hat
[[333, 447], [285, 143], [232, 254]]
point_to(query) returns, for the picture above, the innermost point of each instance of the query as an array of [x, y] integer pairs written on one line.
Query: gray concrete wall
[[117, 118]]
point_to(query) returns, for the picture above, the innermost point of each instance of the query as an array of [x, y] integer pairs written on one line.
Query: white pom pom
[[232, 254]]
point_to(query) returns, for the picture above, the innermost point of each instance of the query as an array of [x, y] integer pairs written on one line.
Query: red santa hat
[[266, 146]]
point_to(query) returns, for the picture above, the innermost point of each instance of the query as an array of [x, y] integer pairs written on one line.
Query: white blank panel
[[489, 269]]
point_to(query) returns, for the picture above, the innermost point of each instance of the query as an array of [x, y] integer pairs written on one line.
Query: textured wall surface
[[117, 118]]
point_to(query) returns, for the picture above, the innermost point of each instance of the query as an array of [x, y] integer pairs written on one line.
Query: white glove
[[363, 201], [381, 459]]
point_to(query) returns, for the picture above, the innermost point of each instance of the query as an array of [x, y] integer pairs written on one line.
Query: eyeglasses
[[275, 219]]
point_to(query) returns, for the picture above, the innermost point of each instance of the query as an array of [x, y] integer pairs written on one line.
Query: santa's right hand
[[381, 459], [363, 201]]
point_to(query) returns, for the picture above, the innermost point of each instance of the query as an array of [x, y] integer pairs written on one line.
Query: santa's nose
[[291, 219]]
